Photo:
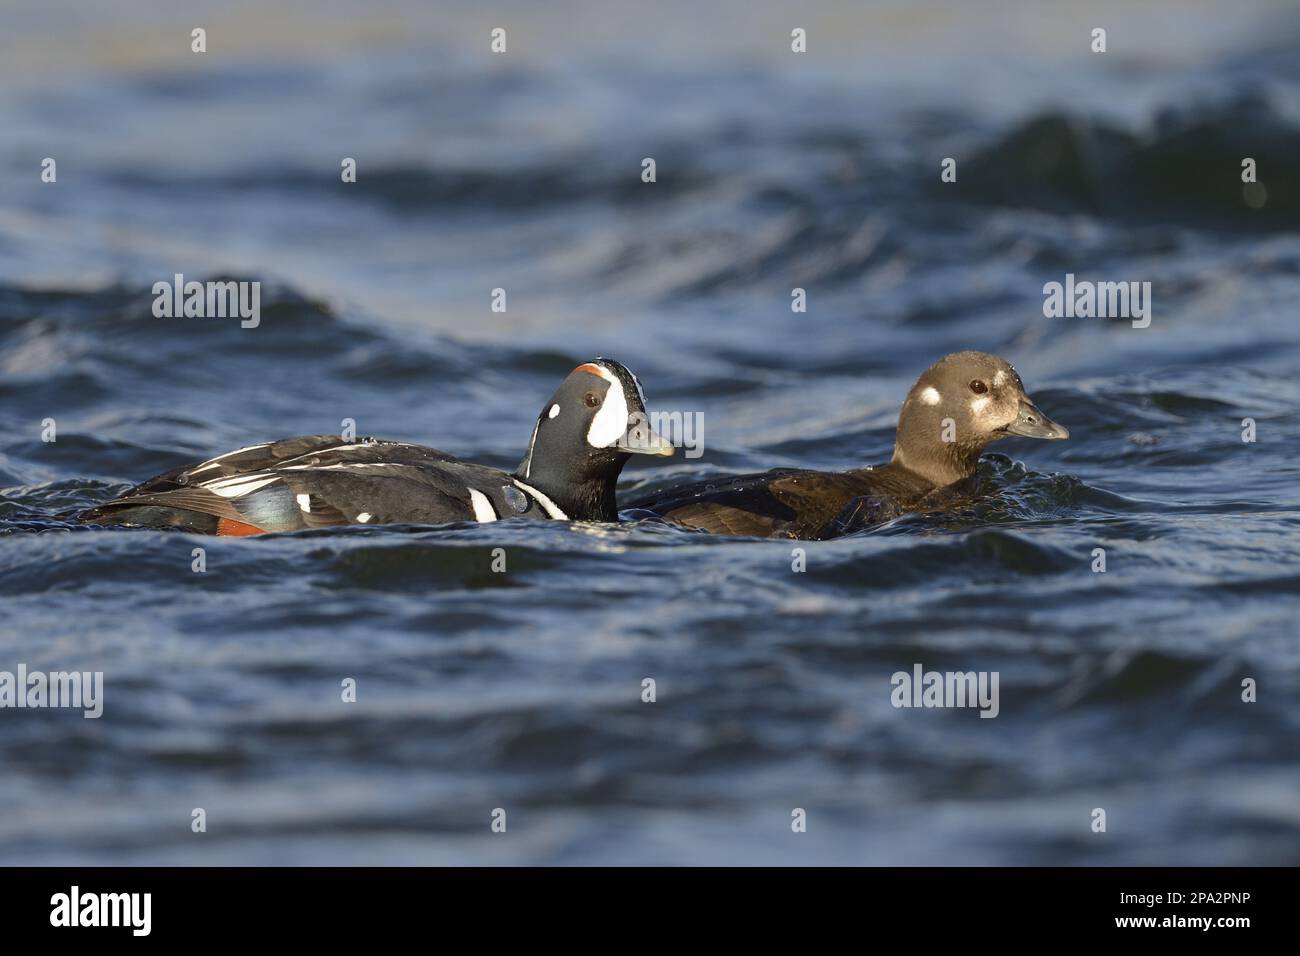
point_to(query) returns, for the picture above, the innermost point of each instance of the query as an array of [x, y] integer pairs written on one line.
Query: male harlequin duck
[[959, 405], [582, 439]]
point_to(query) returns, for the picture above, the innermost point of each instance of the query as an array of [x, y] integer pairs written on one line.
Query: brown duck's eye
[[978, 387], [591, 399]]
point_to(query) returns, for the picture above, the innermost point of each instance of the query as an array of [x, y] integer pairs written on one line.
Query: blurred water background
[[775, 170]]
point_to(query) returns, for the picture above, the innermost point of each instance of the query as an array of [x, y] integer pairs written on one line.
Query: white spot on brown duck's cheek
[[930, 395], [978, 405], [555, 410]]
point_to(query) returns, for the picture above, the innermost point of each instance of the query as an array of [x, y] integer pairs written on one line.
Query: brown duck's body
[[957, 406], [790, 503]]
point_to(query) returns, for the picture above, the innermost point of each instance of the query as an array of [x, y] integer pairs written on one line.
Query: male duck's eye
[[978, 387], [591, 399]]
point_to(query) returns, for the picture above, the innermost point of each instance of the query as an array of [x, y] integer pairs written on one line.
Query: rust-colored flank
[[229, 527]]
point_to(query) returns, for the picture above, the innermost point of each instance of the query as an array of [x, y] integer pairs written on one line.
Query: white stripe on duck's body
[[578, 448]]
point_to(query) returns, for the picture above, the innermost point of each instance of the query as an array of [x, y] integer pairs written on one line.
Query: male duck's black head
[[958, 405], [587, 431]]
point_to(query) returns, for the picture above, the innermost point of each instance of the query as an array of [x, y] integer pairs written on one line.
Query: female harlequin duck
[[959, 405], [581, 441]]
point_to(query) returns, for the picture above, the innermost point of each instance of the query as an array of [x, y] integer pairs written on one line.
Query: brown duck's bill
[[1032, 423]]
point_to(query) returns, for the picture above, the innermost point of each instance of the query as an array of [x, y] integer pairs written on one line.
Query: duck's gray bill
[[1032, 423], [641, 439]]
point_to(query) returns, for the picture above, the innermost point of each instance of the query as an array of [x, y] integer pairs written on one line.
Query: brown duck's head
[[959, 405]]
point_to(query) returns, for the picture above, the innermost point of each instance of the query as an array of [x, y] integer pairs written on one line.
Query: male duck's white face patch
[[304, 502], [555, 410], [610, 422], [930, 395]]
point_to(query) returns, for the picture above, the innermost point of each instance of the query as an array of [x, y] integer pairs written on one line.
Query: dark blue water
[[477, 690]]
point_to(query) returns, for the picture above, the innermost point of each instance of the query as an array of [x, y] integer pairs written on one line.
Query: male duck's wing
[[247, 489]]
